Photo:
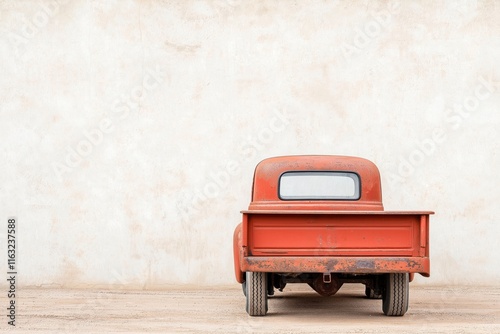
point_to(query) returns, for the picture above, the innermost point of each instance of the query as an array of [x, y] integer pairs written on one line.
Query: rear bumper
[[324, 264]]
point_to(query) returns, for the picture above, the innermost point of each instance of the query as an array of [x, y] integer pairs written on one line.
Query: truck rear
[[320, 220]]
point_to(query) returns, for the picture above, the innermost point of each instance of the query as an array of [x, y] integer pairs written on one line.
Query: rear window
[[319, 186]]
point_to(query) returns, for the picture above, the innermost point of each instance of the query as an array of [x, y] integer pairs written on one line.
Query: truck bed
[[336, 241]]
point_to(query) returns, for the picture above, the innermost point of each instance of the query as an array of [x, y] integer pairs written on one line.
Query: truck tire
[[370, 293], [256, 302], [395, 298], [244, 287]]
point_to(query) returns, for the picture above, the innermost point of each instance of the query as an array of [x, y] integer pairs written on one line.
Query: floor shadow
[[343, 304]]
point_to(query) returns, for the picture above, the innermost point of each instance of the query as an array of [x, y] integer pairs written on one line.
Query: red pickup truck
[[320, 220]]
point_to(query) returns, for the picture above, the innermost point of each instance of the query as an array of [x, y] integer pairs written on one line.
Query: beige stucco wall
[[129, 130]]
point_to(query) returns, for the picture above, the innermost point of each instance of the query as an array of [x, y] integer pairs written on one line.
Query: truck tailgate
[[341, 233]]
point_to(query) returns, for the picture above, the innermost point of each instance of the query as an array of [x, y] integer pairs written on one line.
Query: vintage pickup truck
[[320, 220]]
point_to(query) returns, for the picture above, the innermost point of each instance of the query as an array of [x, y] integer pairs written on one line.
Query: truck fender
[[240, 277]]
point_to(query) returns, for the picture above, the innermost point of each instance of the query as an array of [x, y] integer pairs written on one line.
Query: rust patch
[[354, 265]]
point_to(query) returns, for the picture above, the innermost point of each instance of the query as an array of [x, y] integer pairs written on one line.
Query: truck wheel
[[256, 284], [370, 293], [395, 298]]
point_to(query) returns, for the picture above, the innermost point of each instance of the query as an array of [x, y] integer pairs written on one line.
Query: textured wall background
[[129, 130]]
